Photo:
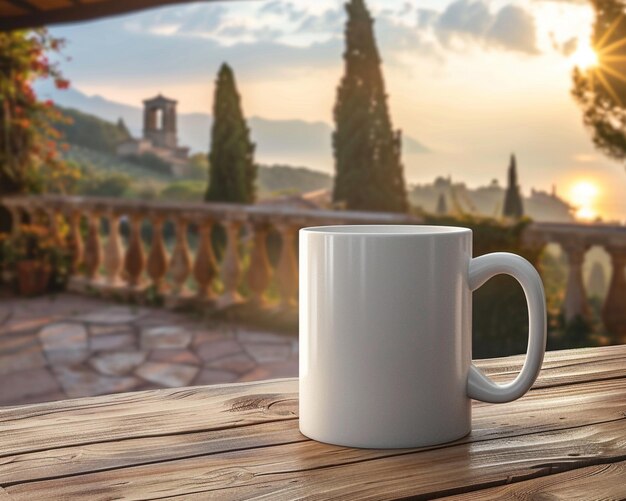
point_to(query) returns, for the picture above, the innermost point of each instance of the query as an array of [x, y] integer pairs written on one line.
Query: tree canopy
[[513, 206], [232, 171], [600, 90], [369, 172]]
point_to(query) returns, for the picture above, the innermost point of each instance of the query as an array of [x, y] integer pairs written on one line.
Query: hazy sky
[[471, 80]]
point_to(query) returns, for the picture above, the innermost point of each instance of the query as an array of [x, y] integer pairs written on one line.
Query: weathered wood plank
[[557, 356], [307, 469], [604, 481], [563, 367], [138, 451], [202, 411], [145, 414], [122, 434], [165, 413], [544, 410], [4, 495]]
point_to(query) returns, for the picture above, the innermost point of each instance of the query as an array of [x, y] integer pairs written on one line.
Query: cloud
[[511, 27], [514, 28], [464, 17], [426, 17], [278, 37], [330, 21]]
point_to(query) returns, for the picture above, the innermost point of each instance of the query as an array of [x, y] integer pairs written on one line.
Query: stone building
[[159, 136]]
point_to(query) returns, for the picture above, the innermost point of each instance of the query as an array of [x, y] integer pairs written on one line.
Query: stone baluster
[[76, 241], [180, 263], [260, 271], [614, 310], [575, 302], [53, 218], [114, 251], [157, 259], [287, 269], [93, 247], [205, 266], [231, 267], [135, 260]]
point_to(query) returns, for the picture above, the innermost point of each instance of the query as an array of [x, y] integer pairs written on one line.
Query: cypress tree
[[369, 172], [513, 206], [232, 171], [442, 206]]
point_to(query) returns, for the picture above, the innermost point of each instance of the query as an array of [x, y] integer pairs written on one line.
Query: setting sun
[[585, 57], [583, 195]]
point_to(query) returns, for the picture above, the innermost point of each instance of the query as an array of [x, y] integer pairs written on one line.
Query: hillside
[[282, 142], [106, 163], [90, 132], [284, 178], [92, 144]]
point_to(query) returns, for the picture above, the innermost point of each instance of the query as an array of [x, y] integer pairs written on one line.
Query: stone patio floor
[[68, 346]]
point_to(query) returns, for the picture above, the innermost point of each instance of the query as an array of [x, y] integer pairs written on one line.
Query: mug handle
[[481, 269]]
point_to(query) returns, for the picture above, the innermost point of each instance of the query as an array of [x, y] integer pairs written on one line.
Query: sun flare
[[585, 57], [583, 195]]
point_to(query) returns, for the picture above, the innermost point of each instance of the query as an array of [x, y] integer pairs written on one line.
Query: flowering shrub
[[36, 243], [29, 160]]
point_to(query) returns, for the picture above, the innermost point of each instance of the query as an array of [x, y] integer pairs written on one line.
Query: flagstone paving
[[70, 346]]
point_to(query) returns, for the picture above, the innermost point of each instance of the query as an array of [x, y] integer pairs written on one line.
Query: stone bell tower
[[159, 122]]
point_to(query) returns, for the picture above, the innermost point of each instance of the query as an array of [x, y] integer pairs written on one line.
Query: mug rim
[[386, 230]]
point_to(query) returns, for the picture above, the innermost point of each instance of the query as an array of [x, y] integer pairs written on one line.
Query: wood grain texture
[[144, 414], [605, 481], [604, 402], [242, 441], [298, 470]]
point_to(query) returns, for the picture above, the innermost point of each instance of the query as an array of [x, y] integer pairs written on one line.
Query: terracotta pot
[[32, 277]]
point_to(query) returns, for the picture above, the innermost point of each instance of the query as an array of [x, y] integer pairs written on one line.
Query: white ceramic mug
[[386, 333]]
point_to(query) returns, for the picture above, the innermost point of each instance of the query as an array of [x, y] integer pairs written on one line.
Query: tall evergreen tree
[[232, 171], [442, 206], [513, 206], [369, 172]]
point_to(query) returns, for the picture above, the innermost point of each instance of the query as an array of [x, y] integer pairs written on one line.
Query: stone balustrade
[[123, 262], [575, 240]]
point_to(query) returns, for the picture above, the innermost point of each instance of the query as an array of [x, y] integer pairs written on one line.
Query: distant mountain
[[294, 142]]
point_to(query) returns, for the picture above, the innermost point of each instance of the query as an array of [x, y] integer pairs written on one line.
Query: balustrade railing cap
[[196, 212]]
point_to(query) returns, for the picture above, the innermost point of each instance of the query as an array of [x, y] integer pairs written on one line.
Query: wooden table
[[566, 439]]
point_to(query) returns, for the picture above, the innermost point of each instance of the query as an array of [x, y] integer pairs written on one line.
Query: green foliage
[[122, 128], [29, 160], [98, 184], [199, 166], [35, 242], [107, 163], [91, 132], [183, 191], [286, 179], [513, 206], [600, 90], [151, 162], [369, 172], [499, 315], [232, 173]]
